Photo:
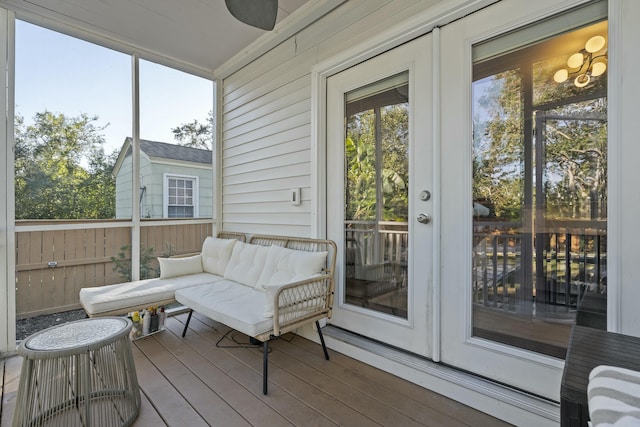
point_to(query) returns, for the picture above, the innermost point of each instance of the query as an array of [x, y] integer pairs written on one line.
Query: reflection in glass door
[[540, 191], [376, 195]]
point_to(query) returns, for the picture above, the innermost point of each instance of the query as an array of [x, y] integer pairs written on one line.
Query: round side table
[[78, 374]]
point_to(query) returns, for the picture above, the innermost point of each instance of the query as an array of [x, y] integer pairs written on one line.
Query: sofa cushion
[[140, 293], [215, 254], [172, 267], [246, 263], [239, 307], [284, 266]]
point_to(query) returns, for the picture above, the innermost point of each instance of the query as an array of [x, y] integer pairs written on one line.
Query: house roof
[[163, 150], [174, 152]]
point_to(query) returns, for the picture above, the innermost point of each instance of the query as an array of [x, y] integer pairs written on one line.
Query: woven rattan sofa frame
[[280, 328]]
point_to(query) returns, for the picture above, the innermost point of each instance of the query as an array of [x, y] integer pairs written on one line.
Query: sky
[[66, 75]]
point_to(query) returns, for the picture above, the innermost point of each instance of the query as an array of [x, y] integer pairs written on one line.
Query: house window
[[181, 197]]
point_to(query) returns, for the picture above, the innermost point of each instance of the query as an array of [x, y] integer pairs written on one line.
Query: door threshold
[[504, 402]]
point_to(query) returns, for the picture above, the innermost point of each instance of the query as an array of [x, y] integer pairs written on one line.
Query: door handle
[[424, 218]]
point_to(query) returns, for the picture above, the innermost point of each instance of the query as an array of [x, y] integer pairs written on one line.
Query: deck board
[[192, 381]]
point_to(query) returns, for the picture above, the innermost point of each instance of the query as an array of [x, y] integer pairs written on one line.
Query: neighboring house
[[175, 181]]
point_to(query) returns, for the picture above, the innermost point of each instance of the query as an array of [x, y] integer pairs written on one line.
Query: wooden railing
[[554, 268], [55, 259]]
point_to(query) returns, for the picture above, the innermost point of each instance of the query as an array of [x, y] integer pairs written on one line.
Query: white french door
[[523, 210], [379, 195]]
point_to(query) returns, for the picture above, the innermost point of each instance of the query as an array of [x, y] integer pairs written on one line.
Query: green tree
[[361, 157], [195, 134], [61, 170]]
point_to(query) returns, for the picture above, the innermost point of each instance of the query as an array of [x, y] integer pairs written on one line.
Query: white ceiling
[[200, 33]]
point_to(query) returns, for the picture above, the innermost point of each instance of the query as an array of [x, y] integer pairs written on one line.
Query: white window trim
[[165, 193]]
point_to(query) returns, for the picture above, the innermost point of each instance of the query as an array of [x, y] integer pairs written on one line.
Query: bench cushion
[[237, 306], [246, 263], [215, 254], [141, 293], [614, 397], [284, 266]]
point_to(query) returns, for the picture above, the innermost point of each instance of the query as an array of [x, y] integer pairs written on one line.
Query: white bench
[[264, 288]]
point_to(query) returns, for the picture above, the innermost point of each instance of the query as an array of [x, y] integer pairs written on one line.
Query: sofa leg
[[265, 366], [324, 347], [186, 325]]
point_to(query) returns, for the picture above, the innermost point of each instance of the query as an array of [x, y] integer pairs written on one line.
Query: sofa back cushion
[[173, 267], [288, 265], [246, 263], [216, 254]]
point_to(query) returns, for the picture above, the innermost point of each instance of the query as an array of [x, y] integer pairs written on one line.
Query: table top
[[588, 348], [77, 336]]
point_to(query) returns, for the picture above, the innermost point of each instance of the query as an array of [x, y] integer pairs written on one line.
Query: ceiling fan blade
[[257, 13]]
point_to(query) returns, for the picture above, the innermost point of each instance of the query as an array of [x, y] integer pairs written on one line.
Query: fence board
[[84, 260]]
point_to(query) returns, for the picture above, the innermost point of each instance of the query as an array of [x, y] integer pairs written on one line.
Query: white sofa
[[264, 288]]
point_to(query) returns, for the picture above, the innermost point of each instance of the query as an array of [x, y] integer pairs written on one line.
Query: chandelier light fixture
[[588, 63]]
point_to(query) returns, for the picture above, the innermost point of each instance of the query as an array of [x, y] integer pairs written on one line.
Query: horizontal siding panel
[[278, 99], [267, 185], [278, 55], [271, 206], [277, 229], [274, 196], [275, 116], [280, 75], [300, 119], [339, 20], [302, 218], [297, 133], [285, 171], [377, 22], [265, 164], [269, 151]]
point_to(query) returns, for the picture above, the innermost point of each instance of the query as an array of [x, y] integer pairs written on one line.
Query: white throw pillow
[[173, 267], [246, 263], [289, 265], [215, 254]]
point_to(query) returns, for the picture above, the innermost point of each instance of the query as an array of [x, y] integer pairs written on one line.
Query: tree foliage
[[195, 134], [361, 157], [61, 169], [571, 141]]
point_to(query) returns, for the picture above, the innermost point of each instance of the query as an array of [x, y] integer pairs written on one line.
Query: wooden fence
[[52, 265]]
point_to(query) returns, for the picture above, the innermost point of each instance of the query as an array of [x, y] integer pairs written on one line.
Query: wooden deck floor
[[191, 382]]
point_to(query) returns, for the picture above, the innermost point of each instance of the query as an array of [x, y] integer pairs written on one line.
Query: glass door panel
[[539, 193], [376, 196]]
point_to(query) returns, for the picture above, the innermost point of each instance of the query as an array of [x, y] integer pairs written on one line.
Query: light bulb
[[582, 80], [561, 75], [594, 44], [598, 69], [576, 60]]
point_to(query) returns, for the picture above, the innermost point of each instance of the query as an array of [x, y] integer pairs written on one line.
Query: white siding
[[123, 189], [266, 118]]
